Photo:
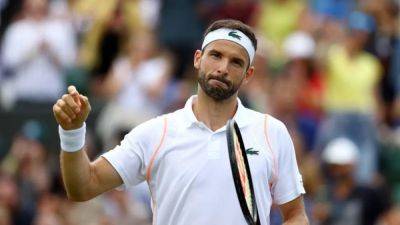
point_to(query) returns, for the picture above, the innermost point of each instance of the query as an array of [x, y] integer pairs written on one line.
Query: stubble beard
[[218, 94]]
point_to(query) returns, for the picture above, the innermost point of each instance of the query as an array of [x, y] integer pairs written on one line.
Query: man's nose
[[223, 66]]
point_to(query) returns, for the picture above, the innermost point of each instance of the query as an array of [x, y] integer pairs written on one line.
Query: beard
[[216, 92]]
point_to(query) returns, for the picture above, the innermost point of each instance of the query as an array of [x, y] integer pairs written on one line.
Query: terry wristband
[[72, 140]]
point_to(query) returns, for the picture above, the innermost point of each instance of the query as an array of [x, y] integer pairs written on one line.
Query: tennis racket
[[241, 173]]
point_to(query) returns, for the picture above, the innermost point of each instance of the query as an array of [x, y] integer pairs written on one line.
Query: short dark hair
[[235, 25]]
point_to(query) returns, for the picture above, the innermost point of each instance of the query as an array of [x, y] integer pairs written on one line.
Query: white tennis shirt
[[188, 172]]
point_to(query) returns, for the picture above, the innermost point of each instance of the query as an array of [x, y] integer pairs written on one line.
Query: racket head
[[241, 173]]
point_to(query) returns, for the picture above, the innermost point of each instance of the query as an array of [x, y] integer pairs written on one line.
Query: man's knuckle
[[65, 116], [56, 109]]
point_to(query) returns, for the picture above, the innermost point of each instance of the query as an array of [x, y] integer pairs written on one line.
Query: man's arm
[[83, 180], [293, 212]]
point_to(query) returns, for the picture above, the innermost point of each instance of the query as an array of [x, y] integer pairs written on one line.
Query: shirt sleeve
[[131, 158], [128, 159], [288, 184]]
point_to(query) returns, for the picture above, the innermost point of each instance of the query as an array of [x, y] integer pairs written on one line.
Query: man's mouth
[[215, 82], [218, 82]]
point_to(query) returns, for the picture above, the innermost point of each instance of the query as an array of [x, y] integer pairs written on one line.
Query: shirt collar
[[240, 116]]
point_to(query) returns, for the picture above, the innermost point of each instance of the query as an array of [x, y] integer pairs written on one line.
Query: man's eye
[[238, 63], [215, 55]]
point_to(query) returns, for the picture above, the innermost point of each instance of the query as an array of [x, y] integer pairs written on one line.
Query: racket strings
[[243, 174]]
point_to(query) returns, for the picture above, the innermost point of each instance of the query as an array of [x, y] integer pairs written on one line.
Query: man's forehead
[[229, 47]]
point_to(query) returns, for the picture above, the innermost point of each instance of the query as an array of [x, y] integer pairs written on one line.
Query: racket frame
[[233, 127]]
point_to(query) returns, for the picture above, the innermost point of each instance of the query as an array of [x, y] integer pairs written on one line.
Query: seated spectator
[[342, 201], [299, 48]]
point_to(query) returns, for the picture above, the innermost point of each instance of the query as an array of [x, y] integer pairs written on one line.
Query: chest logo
[[252, 151]]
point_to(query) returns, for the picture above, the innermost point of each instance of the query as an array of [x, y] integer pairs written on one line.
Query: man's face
[[222, 69]]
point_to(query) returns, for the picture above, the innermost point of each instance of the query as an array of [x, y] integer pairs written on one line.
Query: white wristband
[[72, 140]]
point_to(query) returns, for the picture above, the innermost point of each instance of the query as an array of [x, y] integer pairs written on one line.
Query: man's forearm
[[294, 213], [76, 173], [83, 179], [299, 219]]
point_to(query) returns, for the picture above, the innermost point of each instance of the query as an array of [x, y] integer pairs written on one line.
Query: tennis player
[[183, 155]]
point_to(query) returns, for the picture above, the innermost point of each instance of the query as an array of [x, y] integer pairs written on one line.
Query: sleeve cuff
[[290, 196], [109, 157]]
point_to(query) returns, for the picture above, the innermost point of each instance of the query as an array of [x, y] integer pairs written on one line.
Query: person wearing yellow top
[[278, 19], [351, 80], [352, 76]]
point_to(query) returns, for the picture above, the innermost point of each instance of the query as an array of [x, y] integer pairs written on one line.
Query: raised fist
[[71, 110]]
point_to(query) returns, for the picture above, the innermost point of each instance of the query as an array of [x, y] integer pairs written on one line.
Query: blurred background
[[330, 69]]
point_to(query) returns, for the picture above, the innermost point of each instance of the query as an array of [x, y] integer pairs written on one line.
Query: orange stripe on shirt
[[275, 168], [150, 167], [153, 206], [153, 157]]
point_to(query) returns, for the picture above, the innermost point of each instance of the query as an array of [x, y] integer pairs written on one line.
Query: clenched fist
[[72, 110]]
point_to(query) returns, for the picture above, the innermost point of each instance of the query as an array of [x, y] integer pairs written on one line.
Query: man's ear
[[197, 59], [249, 75]]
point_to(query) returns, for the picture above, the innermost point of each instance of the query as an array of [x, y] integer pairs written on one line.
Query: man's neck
[[212, 113]]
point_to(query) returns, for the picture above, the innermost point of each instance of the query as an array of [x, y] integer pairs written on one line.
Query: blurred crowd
[[329, 69]]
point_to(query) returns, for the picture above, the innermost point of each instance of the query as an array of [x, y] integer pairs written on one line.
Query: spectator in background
[[333, 9], [135, 87], [299, 47], [385, 44], [9, 199], [350, 101], [176, 36], [123, 210], [9, 12], [149, 12], [342, 201], [256, 94], [391, 216], [26, 162], [37, 49], [243, 10], [276, 20], [100, 20], [111, 42], [49, 211], [297, 89]]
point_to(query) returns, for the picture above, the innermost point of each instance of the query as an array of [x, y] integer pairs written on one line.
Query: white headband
[[231, 35]]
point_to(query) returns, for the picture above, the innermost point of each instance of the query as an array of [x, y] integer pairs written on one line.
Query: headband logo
[[234, 35]]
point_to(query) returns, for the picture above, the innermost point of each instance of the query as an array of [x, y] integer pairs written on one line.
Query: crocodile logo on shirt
[[250, 151], [234, 35]]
